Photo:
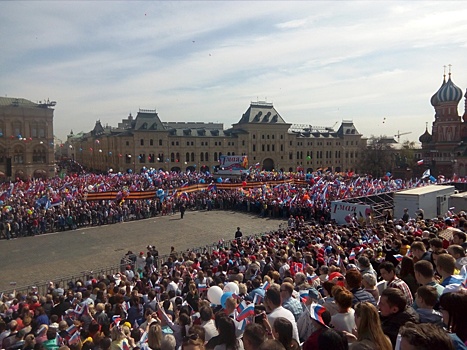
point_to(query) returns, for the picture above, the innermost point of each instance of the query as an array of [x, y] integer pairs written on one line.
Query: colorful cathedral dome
[[449, 92], [434, 99]]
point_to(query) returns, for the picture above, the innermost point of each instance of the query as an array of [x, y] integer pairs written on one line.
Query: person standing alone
[[182, 210], [238, 234]]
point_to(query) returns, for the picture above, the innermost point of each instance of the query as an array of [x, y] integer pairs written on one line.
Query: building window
[[142, 158], [127, 143], [187, 157], [172, 157], [151, 142], [173, 143], [176, 143], [151, 158], [262, 137], [206, 156], [39, 155], [262, 147], [254, 136], [290, 156], [201, 157], [282, 148], [18, 156], [141, 142], [243, 143], [16, 126], [273, 148], [160, 157], [254, 148], [160, 142], [192, 156], [188, 143], [34, 130], [128, 159], [267, 148]]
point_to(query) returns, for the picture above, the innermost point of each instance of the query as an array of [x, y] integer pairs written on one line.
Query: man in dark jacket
[[395, 313]]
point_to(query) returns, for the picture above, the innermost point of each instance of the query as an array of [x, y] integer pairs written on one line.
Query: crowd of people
[[61, 203], [398, 284]]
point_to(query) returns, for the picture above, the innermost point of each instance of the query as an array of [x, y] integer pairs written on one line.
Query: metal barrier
[[41, 287]]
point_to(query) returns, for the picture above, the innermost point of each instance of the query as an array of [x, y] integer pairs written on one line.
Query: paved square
[[33, 260]]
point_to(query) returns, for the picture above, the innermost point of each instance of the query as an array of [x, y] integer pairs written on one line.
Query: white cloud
[[319, 62]]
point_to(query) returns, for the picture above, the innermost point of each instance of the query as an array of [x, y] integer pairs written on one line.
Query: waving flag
[[266, 285], [74, 339], [202, 288], [398, 257], [312, 279], [258, 299], [352, 255], [303, 296], [246, 312]]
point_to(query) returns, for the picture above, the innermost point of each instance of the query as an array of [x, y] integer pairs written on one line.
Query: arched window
[[192, 156], [177, 157], [172, 157], [215, 157], [201, 157], [206, 156], [187, 157], [151, 142]]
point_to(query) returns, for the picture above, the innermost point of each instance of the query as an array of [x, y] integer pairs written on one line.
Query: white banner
[[343, 213]]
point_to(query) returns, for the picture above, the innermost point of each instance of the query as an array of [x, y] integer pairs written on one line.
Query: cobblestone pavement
[[33, 259]]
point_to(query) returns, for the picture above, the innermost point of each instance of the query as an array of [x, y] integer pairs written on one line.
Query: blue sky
[[318, 62]]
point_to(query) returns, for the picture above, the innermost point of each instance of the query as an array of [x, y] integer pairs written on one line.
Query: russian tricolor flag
[[311, 279], [266, 285], [247, 312], [398, 257], [202, 288], [352, 255]]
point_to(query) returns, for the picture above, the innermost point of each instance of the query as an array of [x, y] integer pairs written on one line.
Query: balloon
[[231, 287], [308, 158], [90, 188], [348, 218], [219, 180], [215, 294], [224, 298]]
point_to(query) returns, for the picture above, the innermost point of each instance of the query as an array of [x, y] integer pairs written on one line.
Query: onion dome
[[426, 137], [449, 92], [434, 99]]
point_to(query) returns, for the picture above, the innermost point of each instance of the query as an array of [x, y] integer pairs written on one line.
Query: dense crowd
[[398, 284], [39, 206]]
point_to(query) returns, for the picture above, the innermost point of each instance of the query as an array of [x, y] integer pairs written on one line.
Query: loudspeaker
[[8, 167]]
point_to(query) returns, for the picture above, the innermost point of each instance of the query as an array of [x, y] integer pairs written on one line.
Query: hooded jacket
[[391, 324]]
